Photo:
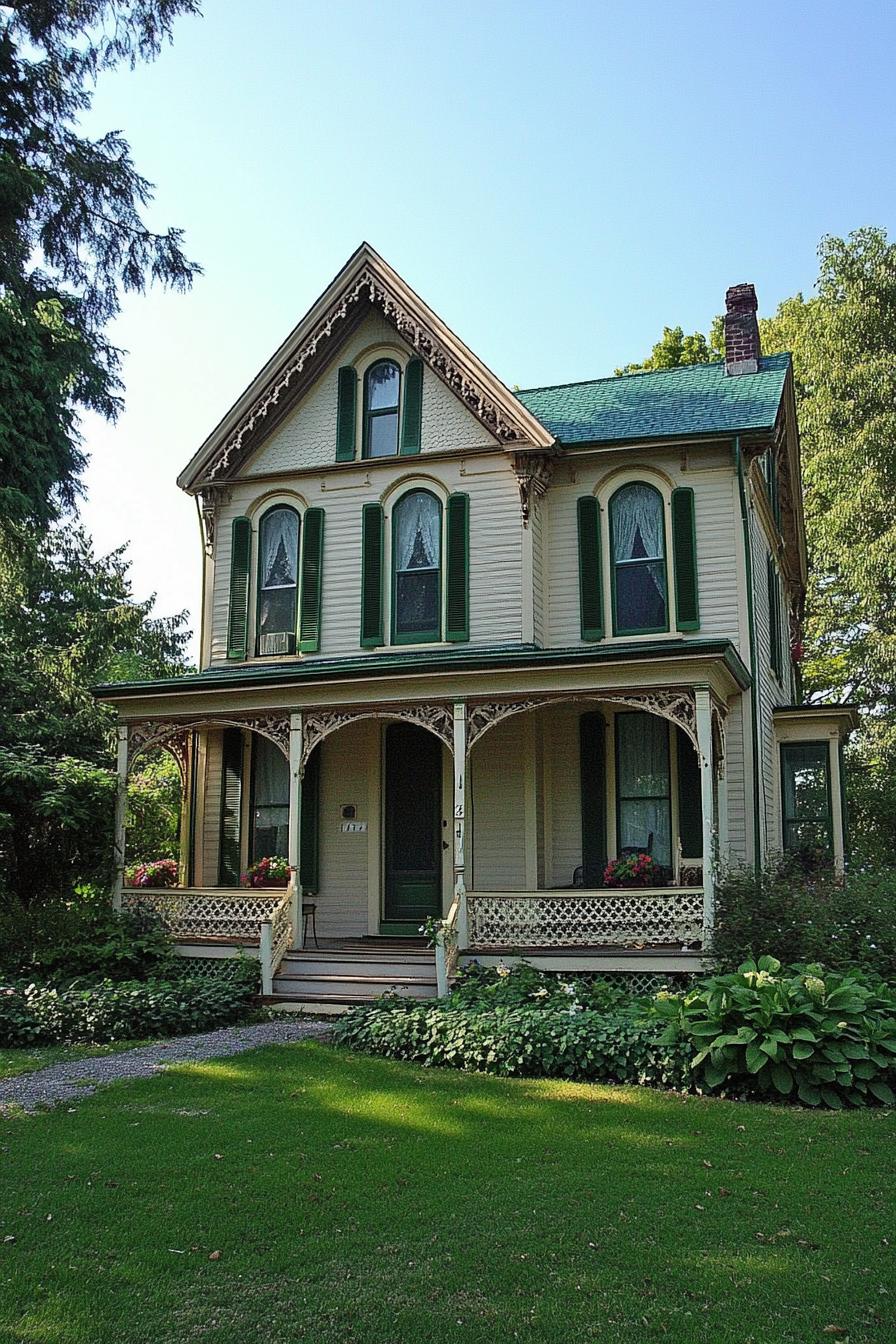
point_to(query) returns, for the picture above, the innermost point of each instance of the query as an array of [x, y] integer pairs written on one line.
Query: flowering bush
[[272, 871], [162, 873], [633, 870]]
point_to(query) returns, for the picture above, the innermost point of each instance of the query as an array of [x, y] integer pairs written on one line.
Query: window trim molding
[[665, 506], [367, 413], [255, 607], [423, 637]]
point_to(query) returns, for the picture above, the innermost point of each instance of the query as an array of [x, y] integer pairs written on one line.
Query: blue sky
[[557, 180]]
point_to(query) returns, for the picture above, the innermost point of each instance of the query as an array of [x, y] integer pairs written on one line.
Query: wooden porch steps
[[354, 974]]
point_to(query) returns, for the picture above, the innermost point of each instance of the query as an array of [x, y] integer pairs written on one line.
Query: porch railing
[[619, 918], [195, 912]]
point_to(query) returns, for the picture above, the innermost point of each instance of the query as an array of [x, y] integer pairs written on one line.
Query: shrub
[[826, 1038], [807, 918], [65, 940], [524, 986], [522, 1042], [32, 1014]]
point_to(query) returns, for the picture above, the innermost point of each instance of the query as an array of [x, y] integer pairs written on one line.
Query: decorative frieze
[[319, 724], [174, 735], [675, 705]]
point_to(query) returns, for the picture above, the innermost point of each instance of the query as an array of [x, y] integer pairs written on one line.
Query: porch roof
[[503, 657]]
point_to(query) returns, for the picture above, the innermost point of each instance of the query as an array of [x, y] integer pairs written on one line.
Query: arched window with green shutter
[[591, 597], [238, 614], [416, 568], [684, 556], [457, 568], [312, 580], [371, 576], [638, 560], [278, 580]]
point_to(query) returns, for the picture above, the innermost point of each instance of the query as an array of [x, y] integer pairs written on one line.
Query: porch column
[[460, 791], [704, 751], [295, 825], [121, 804]]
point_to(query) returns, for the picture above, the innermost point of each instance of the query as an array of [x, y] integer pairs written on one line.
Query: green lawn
[[365, 1202]]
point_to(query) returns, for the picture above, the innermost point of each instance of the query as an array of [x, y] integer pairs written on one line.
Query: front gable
[[365, 286], [305, 438]]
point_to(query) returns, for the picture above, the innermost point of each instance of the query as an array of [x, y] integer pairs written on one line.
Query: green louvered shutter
[[371, 576], [230, 851], [309, 851], [312, 580], [346, 403], [591, 598], [412, 412], [238, 620], [592, 757], [457, 580], [690, 798], [774, 616], [684, 552]]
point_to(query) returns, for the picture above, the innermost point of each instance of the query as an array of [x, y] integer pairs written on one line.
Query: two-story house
[[462, 647]]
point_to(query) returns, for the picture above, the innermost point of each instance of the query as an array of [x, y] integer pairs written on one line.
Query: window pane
[[277, 611], [642, 784], [637, 512], [382, 386], [382, 435], [279, 548], [806, 797], [641, 596], [417, 602], [270, 824]]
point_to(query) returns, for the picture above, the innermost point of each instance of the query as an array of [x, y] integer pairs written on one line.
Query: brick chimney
[[741, 331]]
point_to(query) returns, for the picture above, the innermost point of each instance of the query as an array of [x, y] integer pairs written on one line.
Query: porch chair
[[638, 849], [309, 911]]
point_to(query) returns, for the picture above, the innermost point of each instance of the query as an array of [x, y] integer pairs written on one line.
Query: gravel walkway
[[71, 1082]]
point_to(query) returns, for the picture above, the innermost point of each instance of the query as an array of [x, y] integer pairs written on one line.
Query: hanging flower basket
[[633, 870], [269, 872], [162, 873]]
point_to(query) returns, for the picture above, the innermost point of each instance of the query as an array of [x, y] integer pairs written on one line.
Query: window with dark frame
[[638, 560], [643, 785], [806, 798], [270, 800], [278, 579], [382, 392], [416, 560]]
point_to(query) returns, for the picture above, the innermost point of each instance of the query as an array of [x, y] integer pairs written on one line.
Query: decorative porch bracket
[[319, 724]]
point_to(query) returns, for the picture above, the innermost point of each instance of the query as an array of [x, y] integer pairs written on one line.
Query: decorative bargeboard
[[621, 918]]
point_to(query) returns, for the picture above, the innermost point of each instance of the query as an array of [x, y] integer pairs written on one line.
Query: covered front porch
[[490, 820]]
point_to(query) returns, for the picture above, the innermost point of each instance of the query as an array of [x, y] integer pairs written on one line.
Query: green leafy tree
[[154, 807], [674, 349], [68, 620], [72, 236]]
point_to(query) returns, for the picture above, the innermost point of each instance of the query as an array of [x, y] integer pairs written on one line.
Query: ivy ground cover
[[306, 1194]]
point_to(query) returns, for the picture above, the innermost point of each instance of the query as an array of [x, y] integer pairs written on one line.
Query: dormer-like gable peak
[[365, 283]]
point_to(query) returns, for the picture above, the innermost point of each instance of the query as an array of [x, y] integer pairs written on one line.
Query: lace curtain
[[271, 794], [642, 742], [280, 549], [637, 509], [417, 520]]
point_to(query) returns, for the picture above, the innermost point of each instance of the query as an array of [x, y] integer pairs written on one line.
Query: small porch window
[[806, 799], [638, 554], [382, 384], [278, 580], [417, 559], [270, 800], [643, 792]]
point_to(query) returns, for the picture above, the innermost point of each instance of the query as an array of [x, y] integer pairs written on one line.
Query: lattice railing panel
[[614, 919], [207, 914], [282, 931]]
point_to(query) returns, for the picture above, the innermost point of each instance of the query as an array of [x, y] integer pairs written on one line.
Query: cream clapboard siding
[[345, 778], [562, 782], [738, 719], [307, 437], [536, 523], [712, 480], [497, 789], [495, 542], [772, 692]]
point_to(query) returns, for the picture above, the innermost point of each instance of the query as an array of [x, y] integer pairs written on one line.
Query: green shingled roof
[[669, 403]]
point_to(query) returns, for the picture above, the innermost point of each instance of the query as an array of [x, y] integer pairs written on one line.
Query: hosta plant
[[827, 1039]]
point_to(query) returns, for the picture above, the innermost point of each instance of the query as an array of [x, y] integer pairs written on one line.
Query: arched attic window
[[382, 389], [638, 560], [278, 580]]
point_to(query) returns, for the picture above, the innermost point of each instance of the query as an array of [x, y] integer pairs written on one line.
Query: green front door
[[413, 841]]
